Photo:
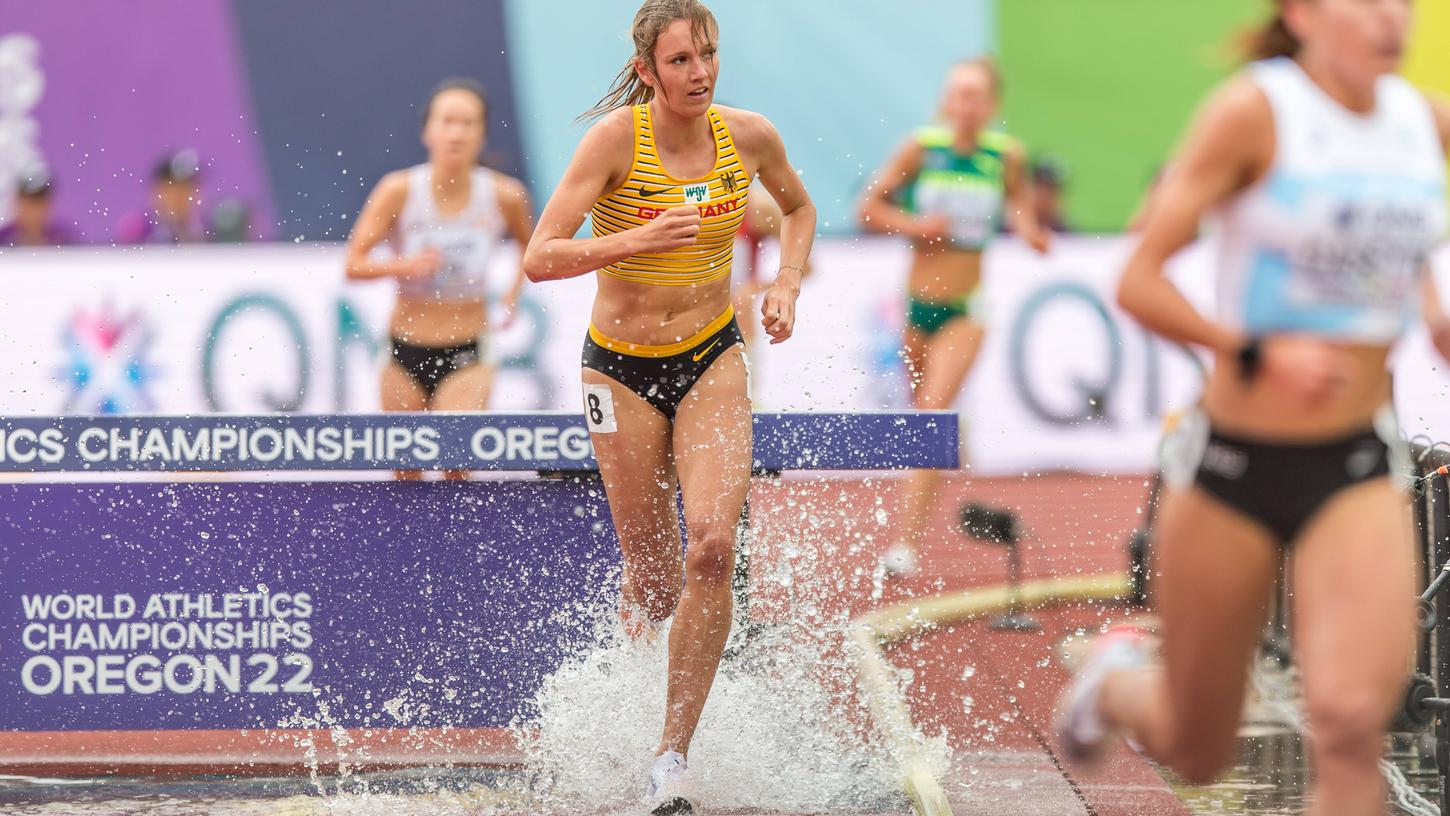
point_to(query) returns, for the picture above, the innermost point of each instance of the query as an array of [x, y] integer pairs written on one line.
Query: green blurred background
[[1108, 86]]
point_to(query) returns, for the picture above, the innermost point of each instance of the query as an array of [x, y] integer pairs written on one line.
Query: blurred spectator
[[1049, 177], [231, 222], [175, 216], [33, 224]]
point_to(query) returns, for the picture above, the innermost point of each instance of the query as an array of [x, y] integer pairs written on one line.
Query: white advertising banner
[[1064, 379]]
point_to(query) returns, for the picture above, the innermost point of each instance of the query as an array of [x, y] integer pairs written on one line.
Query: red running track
[[1003, 762]]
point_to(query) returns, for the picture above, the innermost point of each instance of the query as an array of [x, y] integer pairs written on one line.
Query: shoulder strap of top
[[997, 142], [643, 143], [644, 130], [1400, 97], [725, 150], [419, 203], [1288, 90], [483, 192], [933, 136]]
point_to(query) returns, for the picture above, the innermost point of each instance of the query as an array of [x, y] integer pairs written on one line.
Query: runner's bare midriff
[[1262, 410], [438, 323], [939, 273], [656, 315]]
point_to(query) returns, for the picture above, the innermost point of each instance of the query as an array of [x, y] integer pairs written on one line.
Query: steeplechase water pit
[[278, 646]]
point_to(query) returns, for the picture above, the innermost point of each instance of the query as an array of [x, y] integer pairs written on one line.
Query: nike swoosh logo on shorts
[[643, 193], [696, 357]]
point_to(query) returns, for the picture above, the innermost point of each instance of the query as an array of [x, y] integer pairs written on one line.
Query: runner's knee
[[1348, 726], [710, 554]]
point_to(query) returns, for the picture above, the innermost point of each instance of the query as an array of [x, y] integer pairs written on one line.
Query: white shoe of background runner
[[899, 562], [1081, 732]]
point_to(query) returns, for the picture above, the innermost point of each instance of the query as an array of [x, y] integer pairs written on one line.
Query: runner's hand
[[1040, 240], [674, 228], [933, 229], [777, 312], [425, 263]]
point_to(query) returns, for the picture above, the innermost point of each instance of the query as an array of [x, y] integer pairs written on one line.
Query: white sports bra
[[467, 241], [1333, 240]]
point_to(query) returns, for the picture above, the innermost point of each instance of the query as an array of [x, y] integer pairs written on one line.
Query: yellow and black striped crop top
[[648, 191]]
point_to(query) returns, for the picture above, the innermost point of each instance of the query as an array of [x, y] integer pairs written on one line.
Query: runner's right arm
[[878, 210], [600, 164], [374, 224], [1227, 146]]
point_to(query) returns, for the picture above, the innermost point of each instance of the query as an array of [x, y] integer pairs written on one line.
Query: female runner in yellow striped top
[[664, 176]]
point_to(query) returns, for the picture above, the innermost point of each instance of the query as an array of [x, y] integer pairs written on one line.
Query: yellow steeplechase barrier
[[881, 627], [888, 709]]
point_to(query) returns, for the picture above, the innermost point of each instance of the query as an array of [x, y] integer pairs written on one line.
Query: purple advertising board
[[239, 605], [549, 441], [258, 605]]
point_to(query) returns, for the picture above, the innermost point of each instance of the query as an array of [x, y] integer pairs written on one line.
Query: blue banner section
[[378, 604], [541, 441]]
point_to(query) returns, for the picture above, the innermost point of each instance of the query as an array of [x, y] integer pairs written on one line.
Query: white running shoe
[[668, 794], [899, 562], [1081, 732]]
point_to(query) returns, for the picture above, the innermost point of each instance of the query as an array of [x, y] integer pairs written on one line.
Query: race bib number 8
[[599, 409]]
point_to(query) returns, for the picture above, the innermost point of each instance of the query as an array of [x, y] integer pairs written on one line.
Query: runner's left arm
[[762, 218], [1021, 208], [513, 202], [797, 226]]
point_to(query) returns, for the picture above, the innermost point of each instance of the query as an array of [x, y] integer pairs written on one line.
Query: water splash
[[778, 732]]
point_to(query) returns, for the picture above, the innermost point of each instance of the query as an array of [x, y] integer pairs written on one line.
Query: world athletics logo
[[107, 369]]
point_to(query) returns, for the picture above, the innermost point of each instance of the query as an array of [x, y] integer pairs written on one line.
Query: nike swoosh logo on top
[[697, 357], [643, 193]]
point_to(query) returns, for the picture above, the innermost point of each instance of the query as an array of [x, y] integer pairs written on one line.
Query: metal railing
[[1424, 704]]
